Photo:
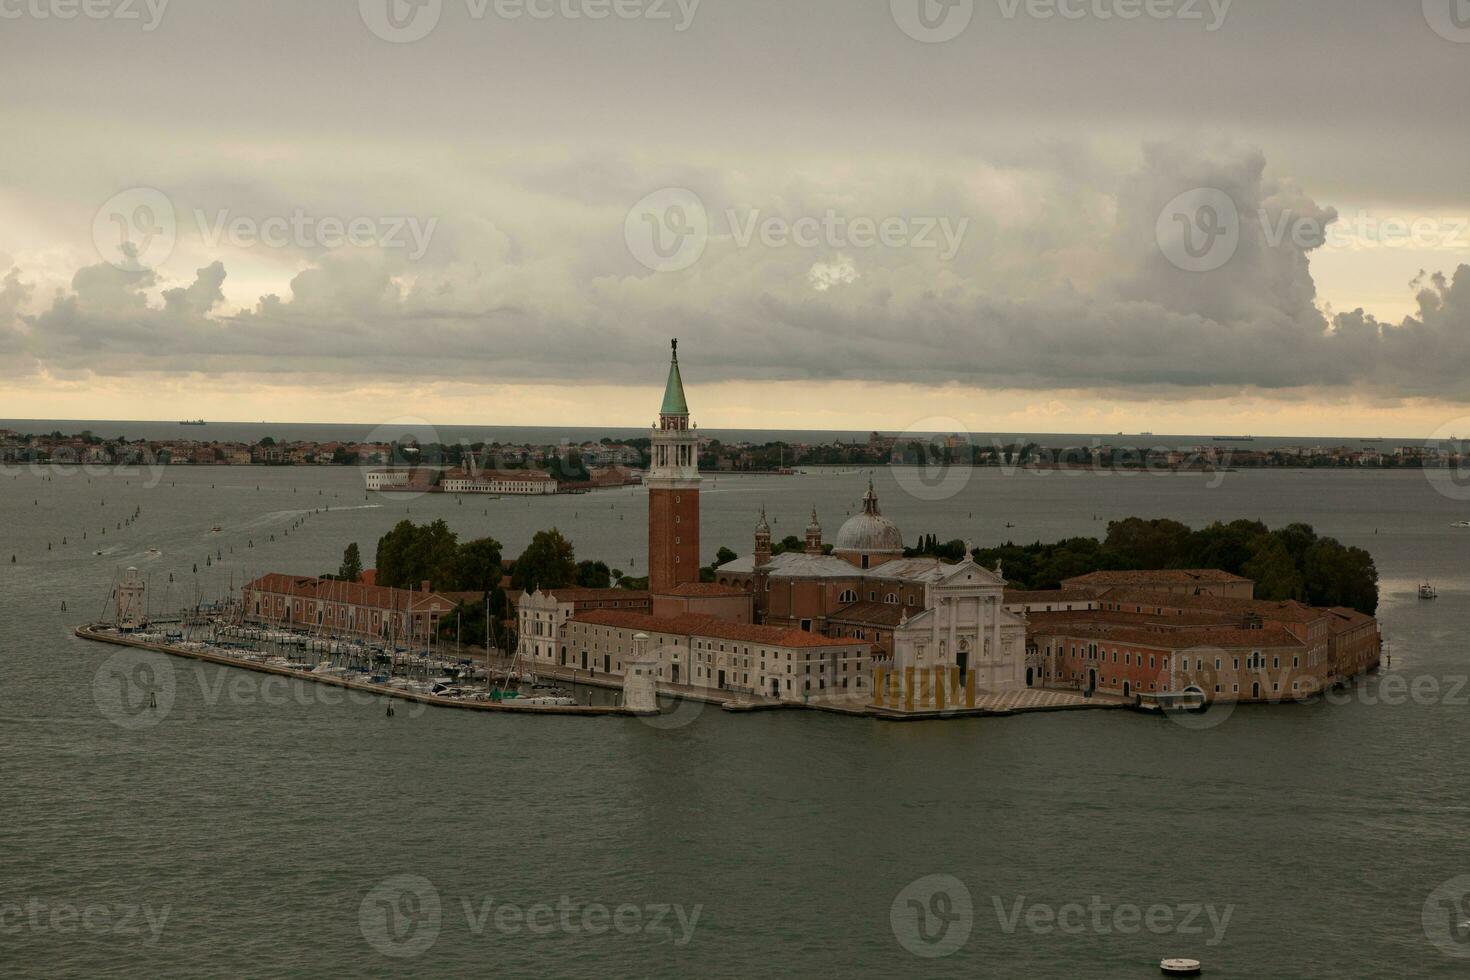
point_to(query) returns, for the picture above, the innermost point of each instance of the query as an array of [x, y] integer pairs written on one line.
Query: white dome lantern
[[869, 535]]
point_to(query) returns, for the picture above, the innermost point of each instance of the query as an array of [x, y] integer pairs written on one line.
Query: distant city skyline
[[1002, 216]]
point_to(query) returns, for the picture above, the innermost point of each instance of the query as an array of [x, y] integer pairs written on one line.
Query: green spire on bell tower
[[674, 403]]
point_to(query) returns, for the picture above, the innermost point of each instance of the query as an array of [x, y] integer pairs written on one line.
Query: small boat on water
[[1461, 524], [1427, 591], [1191, 700]]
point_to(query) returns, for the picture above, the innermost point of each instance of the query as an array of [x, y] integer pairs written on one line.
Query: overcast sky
[[1081, 215]]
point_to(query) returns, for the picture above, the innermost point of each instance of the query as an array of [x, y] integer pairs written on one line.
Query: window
[[847, 596]]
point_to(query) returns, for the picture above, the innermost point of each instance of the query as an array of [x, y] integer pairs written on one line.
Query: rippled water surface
[[272, 831]]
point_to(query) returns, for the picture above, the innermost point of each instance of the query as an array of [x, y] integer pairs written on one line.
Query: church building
[[794, 626]]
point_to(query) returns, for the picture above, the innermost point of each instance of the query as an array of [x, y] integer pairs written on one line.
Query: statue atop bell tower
[[673, 490]]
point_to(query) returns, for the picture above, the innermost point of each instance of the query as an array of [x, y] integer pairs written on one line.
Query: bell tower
[[673, 491], [814, 535]]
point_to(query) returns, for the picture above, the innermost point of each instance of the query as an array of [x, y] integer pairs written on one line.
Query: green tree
[[410, 555], [549, 562], [1339, 576], [724, 556], [478, 566], [594, 575], [1148, 544], [351, 570], [790, 543], [1275, 574]]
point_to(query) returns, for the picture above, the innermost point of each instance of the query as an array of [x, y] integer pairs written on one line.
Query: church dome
[[869, 532]]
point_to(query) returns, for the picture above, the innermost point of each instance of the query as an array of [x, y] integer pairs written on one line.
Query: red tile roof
[[578, 594], [1183, 638], [511, 476], [1280, 610], [705, 590], [875, 613], [721, 629], [350, 593], [1051, 595], [1177, 576]]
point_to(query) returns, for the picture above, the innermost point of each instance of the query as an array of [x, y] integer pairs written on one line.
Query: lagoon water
[[267, 832]]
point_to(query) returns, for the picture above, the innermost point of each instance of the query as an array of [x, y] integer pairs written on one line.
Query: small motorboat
[[1461, 524], [1427, 591], [1180, 968]]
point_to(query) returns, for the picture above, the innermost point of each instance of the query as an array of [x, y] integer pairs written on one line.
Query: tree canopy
[[351, 569], [1292, 562], [412, 554], [549, 562]]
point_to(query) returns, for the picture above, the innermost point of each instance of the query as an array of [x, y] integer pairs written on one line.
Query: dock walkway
[[104, 635]]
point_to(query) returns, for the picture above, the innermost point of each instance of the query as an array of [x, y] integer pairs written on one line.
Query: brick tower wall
[[673, 538]]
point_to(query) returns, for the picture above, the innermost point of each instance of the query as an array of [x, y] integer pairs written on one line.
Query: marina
[[444, 694]]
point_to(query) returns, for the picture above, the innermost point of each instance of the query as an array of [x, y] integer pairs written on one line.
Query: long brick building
[[345, 609]]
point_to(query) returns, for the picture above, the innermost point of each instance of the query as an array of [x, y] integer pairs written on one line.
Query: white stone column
[[951, 608], [995, 629]]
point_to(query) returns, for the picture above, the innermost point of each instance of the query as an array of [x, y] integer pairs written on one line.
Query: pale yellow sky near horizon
[[804, 406]]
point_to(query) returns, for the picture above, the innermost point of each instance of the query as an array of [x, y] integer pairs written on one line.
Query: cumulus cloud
[[1059, 282]]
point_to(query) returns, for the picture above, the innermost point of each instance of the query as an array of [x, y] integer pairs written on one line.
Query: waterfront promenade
[[107, 635], [986, 705]]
